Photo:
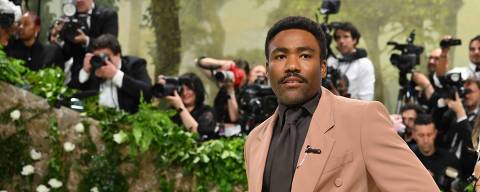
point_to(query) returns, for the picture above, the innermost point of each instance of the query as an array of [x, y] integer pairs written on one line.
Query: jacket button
[[338, 182]]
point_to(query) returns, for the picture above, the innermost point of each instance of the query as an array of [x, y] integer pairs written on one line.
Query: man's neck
[[428, 153], [29, 43]]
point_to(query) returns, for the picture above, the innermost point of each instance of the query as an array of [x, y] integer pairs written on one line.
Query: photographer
[[442, 165], [189, 103], [455, 124], [121, 80], [35, 54], [257, 73], [353, 62], [230, 76], [9, 14], [74, 39], [409, 114]]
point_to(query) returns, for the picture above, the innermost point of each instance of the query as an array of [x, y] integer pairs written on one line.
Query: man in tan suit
[[316, 141]]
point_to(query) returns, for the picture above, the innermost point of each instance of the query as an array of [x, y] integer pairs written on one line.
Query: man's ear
[[323, 68], [355, 42], [266, 71]]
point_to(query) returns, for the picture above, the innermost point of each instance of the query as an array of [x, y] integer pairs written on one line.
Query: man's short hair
[[476, 38], [423, 119], [418, 109], [106, 41], [473, 80], [302, 23], [347, 26]]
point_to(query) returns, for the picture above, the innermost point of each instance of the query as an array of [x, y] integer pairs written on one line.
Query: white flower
[[94, 189], [54, 183], [27, 170], [3, 191], [35, 155], [42, 188], [119, 137], [15, 114], [67, 146], [79, 128]]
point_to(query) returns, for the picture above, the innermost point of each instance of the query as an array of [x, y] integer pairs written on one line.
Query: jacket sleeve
[[389, 161], [137, 82]]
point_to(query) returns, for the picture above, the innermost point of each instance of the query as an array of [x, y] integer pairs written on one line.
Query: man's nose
[[293, 64]]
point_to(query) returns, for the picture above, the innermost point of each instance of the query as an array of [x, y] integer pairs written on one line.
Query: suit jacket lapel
[[310, 166], [261, 147]]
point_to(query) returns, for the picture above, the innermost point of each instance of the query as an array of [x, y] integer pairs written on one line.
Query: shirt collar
[[91, 10], [472, 66]]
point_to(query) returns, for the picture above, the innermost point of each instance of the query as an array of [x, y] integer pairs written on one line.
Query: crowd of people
[[440, 126]]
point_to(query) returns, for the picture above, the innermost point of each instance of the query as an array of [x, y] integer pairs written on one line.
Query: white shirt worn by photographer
[[108, 89], [360, 74]]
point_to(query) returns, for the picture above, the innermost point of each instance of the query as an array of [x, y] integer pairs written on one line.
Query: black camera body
[[98, 61], [171, 85], [72, 22], [445, 43], [71, 26], [409, 54], [453, 83], [6, 19], [257, 102]]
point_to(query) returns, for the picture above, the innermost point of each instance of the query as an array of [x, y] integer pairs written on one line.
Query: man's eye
[[305, 56], [279, 57]]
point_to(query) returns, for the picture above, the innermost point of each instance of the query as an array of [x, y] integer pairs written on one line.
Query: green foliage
[[219, 162], [14, 150], [56, 163], [48, 83], [11, 70], [104, 174], [216, 164]]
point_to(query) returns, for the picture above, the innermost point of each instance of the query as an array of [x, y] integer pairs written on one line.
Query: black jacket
[[136, 83], [102, 21], [36, 57]]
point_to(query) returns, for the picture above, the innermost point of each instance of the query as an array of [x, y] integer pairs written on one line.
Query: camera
[[330, 7], [409, 54], [9, 11], [71, 21], [98, 61], [6, 19], [234, 75], [336, 82], [445, 43], [453, 83], [171, 85], [257, 102]]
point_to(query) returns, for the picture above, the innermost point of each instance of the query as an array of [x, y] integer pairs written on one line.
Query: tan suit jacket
[[360, 151]]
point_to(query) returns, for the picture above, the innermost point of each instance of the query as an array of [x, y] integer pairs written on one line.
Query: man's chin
[[293, 98]]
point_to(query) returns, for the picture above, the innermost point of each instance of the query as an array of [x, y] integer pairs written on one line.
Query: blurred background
[[170, 34]]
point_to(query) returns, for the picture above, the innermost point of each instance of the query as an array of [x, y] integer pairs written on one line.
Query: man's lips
[[292, 80]]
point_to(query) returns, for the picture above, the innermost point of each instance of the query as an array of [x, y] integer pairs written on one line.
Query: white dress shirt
[[360, 74], [108, 89]]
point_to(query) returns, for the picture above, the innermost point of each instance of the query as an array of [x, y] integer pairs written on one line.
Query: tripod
[[406, 94]]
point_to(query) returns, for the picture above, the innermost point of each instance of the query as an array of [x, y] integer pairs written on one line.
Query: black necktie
[[283, 166]]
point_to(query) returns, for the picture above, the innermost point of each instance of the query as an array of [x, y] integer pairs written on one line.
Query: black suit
[[36, 57], [135, 81], [102, 21]]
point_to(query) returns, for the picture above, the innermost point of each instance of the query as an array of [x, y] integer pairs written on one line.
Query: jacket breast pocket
[[338, 161]]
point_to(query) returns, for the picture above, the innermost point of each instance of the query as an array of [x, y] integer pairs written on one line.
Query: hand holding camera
[[81, 37], [100, 65], [457, 106]]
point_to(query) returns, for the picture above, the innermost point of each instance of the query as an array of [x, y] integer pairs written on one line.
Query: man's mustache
[[292, 74]]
